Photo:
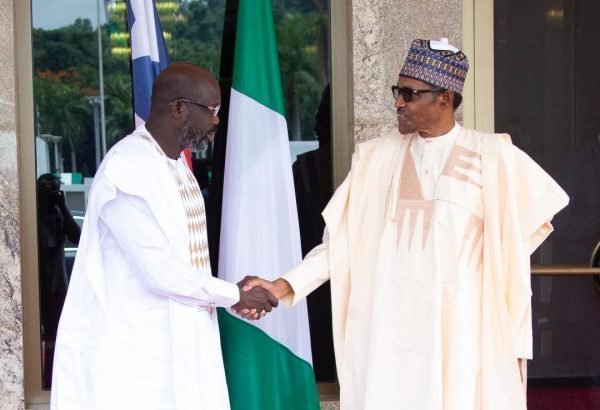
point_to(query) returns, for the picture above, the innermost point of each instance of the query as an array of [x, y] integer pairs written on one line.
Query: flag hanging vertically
[[267, 362], [148, 53], [149, 56]]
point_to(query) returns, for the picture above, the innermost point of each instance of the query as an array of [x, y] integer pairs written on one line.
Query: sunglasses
[[408, 93], [213, 110]]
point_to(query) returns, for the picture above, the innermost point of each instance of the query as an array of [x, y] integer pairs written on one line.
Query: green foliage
[[65, 73], [299, 64], [63, 109], [119, 107], [197, 37], [65, 48]]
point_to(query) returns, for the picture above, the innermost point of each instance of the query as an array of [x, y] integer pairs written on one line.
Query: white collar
[[445, 139]]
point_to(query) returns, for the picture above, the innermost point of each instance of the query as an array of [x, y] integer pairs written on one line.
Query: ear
[[447, 98], [178, 109]]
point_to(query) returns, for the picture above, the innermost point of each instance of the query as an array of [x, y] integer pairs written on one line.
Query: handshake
[[259, 296]]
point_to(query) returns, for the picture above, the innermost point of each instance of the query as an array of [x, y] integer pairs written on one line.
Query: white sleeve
[[311, 273], [138, 234]]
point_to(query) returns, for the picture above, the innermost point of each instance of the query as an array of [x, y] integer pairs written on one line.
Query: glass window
[[69, 143], [303, 42], [73, 131], [546, 96]]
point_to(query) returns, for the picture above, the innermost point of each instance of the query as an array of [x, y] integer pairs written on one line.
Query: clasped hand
[[255, 301]]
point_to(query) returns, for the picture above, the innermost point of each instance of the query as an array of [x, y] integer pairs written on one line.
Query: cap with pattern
[[445, 68]]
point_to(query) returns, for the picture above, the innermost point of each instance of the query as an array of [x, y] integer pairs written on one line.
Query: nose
[[400, 102]]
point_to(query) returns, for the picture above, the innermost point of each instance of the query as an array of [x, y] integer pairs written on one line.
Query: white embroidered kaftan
[[431, 310], [136, 330]]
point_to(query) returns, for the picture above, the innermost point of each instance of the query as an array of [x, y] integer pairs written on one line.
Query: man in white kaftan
[[427, 248], [139, 329]]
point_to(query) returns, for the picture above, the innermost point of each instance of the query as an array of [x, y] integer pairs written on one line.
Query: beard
[[195, 138]]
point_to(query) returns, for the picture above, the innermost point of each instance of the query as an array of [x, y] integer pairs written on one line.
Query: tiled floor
[[330, 405]]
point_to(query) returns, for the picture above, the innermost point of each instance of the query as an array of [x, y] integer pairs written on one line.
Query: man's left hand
[[254, 303]]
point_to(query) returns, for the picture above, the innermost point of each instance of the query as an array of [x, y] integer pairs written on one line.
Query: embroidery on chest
[[472, 242], [411, 205], [193, 204], [414, 210], [464, 165], [196, 219]]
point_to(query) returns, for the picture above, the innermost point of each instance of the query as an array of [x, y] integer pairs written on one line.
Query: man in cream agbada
[[427, 246]]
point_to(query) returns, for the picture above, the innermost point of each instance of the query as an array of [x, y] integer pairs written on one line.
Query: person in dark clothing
[[55, 225]]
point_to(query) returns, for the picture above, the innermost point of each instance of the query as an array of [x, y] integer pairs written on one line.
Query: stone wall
[[11, 313], [382, 31]]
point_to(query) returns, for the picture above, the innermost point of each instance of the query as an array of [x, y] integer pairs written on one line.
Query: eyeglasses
[[408, 93], [214, 110]]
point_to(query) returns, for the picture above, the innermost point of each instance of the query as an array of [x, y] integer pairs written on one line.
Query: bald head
[[184, 80], [183, 110]]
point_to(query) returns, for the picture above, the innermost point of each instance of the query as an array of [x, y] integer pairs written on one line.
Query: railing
[[564, 270]]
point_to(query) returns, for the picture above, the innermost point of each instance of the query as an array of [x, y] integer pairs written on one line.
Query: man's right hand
[[280, 288]]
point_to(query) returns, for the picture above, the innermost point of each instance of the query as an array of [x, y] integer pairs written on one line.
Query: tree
[[66, 72], [63, 109], [296, 38], [119, 108], [197, 37]]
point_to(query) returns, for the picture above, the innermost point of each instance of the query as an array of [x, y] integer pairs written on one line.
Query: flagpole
[[101, 83]]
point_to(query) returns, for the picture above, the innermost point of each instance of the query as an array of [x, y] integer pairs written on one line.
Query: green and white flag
[[267, 362]]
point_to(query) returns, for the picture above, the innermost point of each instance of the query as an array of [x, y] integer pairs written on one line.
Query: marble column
[[11, 314], [382, 31]]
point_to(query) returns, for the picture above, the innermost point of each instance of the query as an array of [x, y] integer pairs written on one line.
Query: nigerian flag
[[267, 362]]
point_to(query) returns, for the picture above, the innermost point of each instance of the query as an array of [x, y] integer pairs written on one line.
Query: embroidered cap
[[437, 63]]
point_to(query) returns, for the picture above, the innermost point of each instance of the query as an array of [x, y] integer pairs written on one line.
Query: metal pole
[[56, 161], [97, 134], [37, 120], [95, 103], [73, 160], [101, 80]]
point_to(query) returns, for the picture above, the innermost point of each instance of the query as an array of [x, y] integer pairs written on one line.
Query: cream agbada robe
[[135, 331], [431, 292]]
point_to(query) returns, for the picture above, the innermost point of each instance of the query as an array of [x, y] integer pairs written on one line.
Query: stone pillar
[[382, 31], [11, 313]]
